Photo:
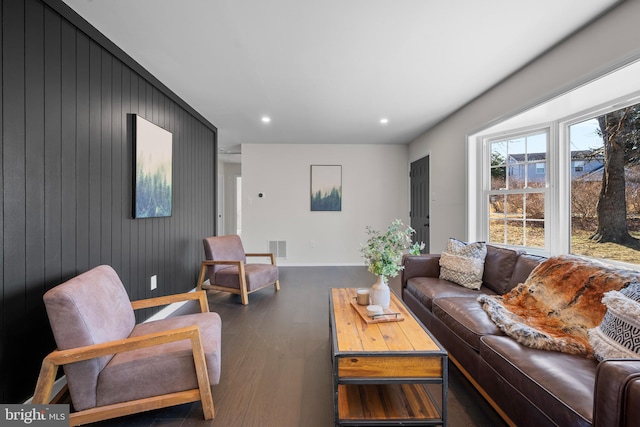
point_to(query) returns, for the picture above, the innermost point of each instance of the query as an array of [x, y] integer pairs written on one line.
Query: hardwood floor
[[276, 362]]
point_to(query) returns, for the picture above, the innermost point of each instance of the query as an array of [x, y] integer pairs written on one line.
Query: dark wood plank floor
[[276, 363]]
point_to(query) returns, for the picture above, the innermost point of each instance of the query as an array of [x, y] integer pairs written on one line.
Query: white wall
[[374, 192], [603, 46]]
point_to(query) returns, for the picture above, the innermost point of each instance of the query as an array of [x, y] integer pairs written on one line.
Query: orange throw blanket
[[557, 304]]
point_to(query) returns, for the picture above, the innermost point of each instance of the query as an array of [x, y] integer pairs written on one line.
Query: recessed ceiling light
[[384, 121], [266, 119]]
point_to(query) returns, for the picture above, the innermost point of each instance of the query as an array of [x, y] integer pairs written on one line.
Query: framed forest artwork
[[326, 188], [153, 157]]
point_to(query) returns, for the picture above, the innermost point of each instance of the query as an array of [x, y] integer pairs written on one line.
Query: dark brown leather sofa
[[528, 387]]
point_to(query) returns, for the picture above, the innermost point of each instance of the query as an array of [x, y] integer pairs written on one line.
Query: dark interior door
[[419, 214]]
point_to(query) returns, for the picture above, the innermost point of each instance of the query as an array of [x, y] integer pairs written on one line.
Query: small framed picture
[[326, 188]]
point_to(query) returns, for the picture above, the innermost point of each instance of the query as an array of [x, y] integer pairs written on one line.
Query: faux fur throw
[[557, 304]]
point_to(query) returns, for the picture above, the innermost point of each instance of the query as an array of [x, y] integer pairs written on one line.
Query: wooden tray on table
[[388, 314]]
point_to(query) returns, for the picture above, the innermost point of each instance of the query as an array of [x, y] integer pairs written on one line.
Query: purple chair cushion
[[91, 308], [257, 276], [161, 369]]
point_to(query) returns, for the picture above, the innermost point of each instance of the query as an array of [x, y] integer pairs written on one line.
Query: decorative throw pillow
[[463, 263], [618, 335]]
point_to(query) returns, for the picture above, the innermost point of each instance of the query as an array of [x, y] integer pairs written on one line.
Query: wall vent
[[278, 248]]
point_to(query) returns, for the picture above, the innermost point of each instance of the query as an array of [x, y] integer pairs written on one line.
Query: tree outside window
[[605, 194]]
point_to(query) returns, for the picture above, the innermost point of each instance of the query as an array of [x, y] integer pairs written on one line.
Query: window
[[567, 194], [517, 189], [578, 166]]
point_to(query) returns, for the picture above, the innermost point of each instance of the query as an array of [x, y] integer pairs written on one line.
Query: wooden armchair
[[114, 367], [227, 269]]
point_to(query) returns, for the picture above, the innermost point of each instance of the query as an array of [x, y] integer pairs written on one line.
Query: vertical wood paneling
[[82, 153], [67, 175], [118, 145], [14, 188], [95, 151], [126, 178], [3, 329], [34, 153], [53, 146], [105, 155], [69, 152], [134, 291]]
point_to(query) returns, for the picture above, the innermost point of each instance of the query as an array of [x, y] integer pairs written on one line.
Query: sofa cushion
[[463, 263], [466, 318], [498, 268], [618, 335], [560, 384], [425, 289], [523, 268]]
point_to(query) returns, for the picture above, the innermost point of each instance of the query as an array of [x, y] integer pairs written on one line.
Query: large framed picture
[[326, 188], [153, 157]]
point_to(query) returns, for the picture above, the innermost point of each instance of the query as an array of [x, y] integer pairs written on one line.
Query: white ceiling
[[328, 71]]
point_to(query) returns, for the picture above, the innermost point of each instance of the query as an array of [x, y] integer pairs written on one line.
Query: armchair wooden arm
[[201, 296], [55, 359], [267, 254], [207, 263]]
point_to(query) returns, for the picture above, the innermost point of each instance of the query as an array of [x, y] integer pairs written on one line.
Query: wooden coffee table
[[381, 369]]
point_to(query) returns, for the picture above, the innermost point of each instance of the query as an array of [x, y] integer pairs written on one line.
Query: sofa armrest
[[425, 265], [617, 393]]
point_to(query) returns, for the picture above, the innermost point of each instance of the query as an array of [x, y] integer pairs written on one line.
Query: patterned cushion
[[463, 263], [618, 336]]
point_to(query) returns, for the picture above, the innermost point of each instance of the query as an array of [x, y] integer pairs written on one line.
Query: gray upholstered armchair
[[227, 269], [115, 367]]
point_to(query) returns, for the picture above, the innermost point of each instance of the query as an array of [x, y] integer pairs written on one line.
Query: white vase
[[380, 293]]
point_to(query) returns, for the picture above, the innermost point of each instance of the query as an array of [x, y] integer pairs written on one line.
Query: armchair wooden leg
[[203, 270], [206, 396], [44, 386], [277, 285], [244, 295]]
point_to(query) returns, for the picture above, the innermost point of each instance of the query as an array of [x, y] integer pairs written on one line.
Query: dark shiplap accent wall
[[66, 180]]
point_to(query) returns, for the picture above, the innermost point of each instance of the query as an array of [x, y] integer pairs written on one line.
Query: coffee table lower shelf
[[386, 404]]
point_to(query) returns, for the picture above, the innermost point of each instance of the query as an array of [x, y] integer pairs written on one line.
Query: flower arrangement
[[383, 251]]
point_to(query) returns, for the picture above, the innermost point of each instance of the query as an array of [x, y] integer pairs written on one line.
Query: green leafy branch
[[383, 251]]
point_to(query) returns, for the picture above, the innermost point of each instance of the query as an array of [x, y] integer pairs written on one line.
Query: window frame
[[486, 190]]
